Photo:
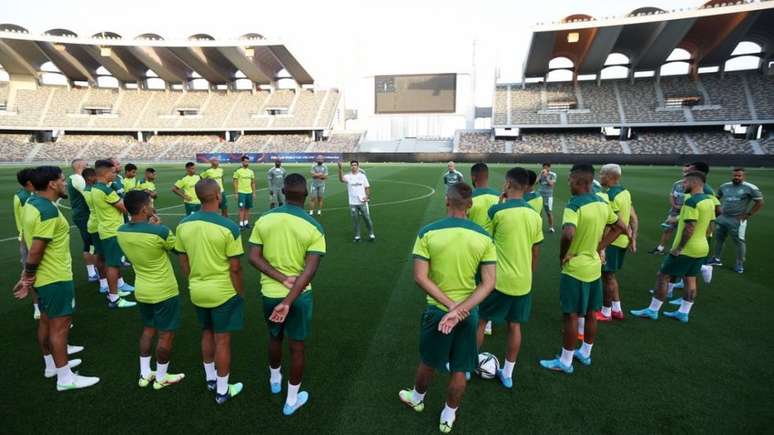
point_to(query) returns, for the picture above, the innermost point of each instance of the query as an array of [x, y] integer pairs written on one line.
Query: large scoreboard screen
[[415, 93]]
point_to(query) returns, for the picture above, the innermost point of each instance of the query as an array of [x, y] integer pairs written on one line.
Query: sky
[[342, 41]]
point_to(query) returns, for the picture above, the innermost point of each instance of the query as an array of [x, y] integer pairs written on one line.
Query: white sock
[[48, 360], [222, 384], [607, 311], [64, 376], [209, 371], [585, 349], [103, 283], [566, 357], [91, 269], [448, 414], [508, 368], [112, 297], [292, 394], [581, 325], [617, 306], [416, 396], [685, 306], [655, 304], [161, 370], [660, 247], [275, 375], [36, 307], [120, 282], [145, 369]]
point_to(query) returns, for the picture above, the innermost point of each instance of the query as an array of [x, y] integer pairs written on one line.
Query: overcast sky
[[340, 41]]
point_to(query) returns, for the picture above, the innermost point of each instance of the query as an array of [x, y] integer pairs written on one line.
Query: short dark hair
[[243, 158], [739, 169], [697, 174], [25, 175], [582, 168], [151, 170], [517, 176], [479, 168], [135, 200], [701, 167], [103, 163], [190, 164], [88, 173], [130, 167], [294, 187], [532, 177], [44, 175], [546, 164], [355, 162], [459, 194]]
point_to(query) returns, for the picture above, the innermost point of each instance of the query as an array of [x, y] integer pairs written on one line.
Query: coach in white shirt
[[359, 192]]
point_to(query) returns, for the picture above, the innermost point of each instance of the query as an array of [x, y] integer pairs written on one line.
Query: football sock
[[91, 269], [581, 325], [209, 371], [585, 349], [222, 384], [685, 306], [36, 307], [607, 311], [145, 369], [48, 360], [120, 282], [617, 306], [416, 396], [566, 358], [64, 376], [103, 283], [670, 288], [292, 394], [655, 304], [161, 370], [275, 375], [448, 414], [112, 297], [508, 368], [660, 247]]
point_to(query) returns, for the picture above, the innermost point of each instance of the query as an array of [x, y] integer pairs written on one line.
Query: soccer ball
[[487, 365]]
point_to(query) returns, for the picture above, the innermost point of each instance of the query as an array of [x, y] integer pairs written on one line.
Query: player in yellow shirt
[[689, 249], [216, 173], [130, 177], [146, 244], [48, 271], [620, 200], [109, 211], [148, 183], [484, 196], [517, 231], [534, 199], [287, 245], [185, 188], [244, 189], [447, 255], [210, 246], [584, 238], [24, 177]]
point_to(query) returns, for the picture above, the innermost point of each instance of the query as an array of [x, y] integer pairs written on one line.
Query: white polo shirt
[[356, 187]]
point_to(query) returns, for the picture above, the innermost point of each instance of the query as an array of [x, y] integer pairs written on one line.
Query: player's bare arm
[[179, 192], [461, 310], [341, 172], [614, 230], [634, 230], [281, 310], [235, 273], [252, 186], [568, 233], [757, 206], [34, 257], [120, 206], [688, 230], [422, 278], [185, 266], [535, 256], [260, 262]]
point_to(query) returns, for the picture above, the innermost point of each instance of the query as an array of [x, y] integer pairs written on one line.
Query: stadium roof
[[648, 35], [128, 60]]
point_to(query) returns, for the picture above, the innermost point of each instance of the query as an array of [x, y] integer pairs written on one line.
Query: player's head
[[190, 168], [532, 178], [106, 171], [214, 161], [355, 166], [78, 165], [686, 168], [294, 188], [208, 191], [699, 166], [24, 177], [319, 159], [738, 176], [130, 170], [277, 163], [581, 177], [693, 182], [245, 161], [116, 164], [547, 166], [49, 179], [451, 165], [479, 173], [459, 197], [90, 175], [609, 174], [150, 174], [138, 204], [516, 181]]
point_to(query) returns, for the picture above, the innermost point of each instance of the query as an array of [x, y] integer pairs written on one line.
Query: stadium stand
[[539, 142], [103, 146], [599, 105], [14, 147], [591, 143], [292, 143], [659, 141], [720, 142], [247, 143], [479, 142], [727, 101], [768, 145], [762, 93], [337, 143]]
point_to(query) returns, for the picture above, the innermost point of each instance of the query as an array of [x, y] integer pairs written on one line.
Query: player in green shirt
[[517, 232], [546, 182], [24, 177], [452, 175], [216, 173], [244, 189], [534, 199], [589, 226], [185, 189], [80, 215], [109, 211], [620, 200], [319, 174], [484, 196], [689, 249], [287, 245], [130, 177], [276, 178], [210, 246], [146, 244], [48, 271], [447, 255]]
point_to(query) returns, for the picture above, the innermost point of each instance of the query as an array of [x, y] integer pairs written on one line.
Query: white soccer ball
[[487, 365]]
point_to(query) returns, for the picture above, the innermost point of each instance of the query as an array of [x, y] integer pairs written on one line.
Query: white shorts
[[548, 203]]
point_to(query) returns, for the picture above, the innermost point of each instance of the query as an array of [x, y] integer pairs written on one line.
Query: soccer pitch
[[711, 375]]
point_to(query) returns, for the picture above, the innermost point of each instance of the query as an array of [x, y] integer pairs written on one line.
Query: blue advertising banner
[[268, 157]]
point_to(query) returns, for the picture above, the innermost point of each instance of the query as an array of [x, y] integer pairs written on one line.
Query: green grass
[[712, 375]]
